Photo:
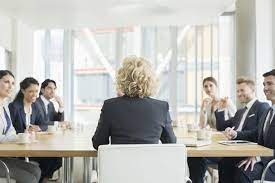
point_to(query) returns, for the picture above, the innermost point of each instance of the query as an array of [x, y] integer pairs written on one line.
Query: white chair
[[159, 163], [7, 179]]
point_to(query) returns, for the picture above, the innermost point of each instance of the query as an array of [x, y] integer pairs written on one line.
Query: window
[[201, 51]]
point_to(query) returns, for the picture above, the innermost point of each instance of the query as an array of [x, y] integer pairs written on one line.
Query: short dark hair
[[211, 79], [45, 84], [270, 73]]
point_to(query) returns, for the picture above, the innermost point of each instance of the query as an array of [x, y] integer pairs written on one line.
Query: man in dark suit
[[49, 114], [245, 120], [241, 125], [251, 168], [46, 106]]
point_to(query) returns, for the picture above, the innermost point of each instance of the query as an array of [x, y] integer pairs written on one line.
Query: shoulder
[[260, 104], [38, 101], [16, 105], [123, 99]]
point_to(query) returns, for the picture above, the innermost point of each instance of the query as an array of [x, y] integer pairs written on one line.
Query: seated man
[[251, 168], [243, 123], [46, 106], [47, 110], [245, 120]]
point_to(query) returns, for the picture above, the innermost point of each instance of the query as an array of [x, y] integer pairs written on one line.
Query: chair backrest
[[159, 163]]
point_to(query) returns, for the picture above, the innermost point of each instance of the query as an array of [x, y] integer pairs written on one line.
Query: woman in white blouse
[[21, 171], [211, 104]]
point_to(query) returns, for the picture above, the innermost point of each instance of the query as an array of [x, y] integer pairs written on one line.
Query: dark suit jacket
[[133, 120], [52, 114], [250, 124], [270, 143], [18, 117]]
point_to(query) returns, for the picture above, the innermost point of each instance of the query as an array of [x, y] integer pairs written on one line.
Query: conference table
[[77, 143]]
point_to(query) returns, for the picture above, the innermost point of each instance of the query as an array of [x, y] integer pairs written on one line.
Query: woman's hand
[[223, 103], [205, 102]]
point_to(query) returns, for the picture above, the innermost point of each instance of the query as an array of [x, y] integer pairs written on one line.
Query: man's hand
[[34, 128], [230, 133], [59, 101], [251, 161]]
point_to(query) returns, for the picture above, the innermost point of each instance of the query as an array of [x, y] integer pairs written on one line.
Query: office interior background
[[238, 41]]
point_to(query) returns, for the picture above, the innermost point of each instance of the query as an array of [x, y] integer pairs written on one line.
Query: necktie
[[8, 121], [48, 111], [242, 111], [267, 124]]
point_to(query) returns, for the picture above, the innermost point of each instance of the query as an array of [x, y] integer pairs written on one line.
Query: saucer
[[22, 143], [193, 130]]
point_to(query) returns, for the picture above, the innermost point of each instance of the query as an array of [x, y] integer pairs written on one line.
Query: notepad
[[236, 142], [192, 142]]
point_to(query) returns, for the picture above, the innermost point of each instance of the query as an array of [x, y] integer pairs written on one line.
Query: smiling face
[[49, 91], [245, 93], [269, 88], [210, 88], [6, 86], [30, 93]]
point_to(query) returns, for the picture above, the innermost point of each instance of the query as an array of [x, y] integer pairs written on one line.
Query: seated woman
[[27, 117], [20, 170], [24, 114], [212, 103], [134, 118]]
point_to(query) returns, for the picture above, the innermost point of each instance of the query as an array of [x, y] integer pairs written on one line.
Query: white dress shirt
[[46, 103], [248, 107], [28, 117], [11, 133]]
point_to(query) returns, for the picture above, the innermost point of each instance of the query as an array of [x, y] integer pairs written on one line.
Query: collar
[[45, 101], [250, 103]]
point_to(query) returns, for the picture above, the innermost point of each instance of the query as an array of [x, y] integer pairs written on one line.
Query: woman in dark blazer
[[134, 118], [26, 117], [24, 113]]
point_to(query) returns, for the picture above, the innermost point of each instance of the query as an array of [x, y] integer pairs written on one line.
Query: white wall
[[22, 52], [5, 32], [264, 51]]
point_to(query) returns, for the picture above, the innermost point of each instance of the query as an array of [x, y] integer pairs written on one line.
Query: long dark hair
[[24, 85], [46, 83], [5, 72]]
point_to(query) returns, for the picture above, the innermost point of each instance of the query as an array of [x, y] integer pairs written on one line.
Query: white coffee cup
[[56, 124], [23, 137], [51, 129], [208, 135], [201, 134]]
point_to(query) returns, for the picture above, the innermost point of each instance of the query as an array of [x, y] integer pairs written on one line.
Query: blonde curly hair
[[136, 78]]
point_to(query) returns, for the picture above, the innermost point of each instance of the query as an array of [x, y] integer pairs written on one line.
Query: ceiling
[[110, 13]]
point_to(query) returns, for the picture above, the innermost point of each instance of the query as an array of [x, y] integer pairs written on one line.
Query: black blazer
[[133, 120], [18, 117], [270, 143], [52, 114], [250, 123]]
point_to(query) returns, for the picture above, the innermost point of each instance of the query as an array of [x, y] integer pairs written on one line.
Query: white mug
[[201, 134], [56, 124], [208, 135], [23, 137]]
